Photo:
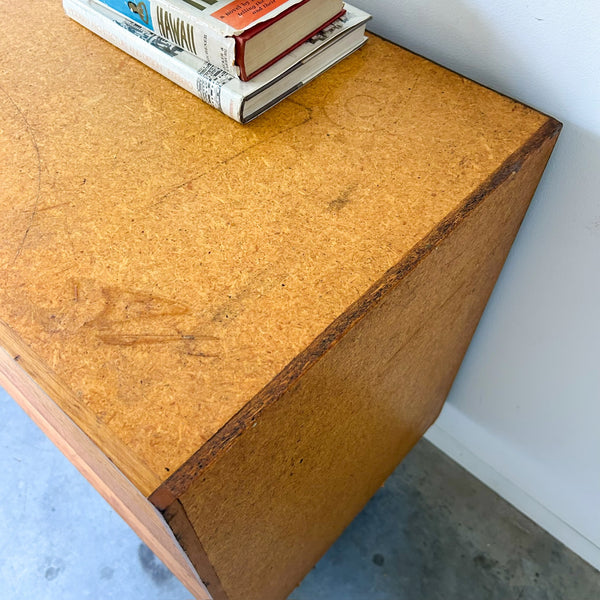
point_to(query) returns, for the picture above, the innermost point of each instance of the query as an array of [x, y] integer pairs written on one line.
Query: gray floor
[[431, 533]]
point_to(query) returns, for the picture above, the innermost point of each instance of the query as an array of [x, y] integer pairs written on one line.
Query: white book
[[239, 100]]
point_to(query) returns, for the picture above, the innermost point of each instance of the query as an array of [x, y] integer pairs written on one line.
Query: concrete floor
[[432, 532]]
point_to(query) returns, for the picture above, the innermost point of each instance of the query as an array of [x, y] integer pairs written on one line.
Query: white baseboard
[[467, 443]]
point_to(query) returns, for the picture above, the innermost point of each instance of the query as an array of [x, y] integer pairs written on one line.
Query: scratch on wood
[[202, 355], [34, 210], [227, 160], [135, 339], [53, 207]]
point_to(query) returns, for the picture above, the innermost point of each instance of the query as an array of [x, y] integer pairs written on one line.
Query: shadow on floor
[[434, 532]]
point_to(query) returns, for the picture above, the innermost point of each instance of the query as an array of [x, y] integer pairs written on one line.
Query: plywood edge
[[142, 477], [181, 526], [175, 485], [126, 499]]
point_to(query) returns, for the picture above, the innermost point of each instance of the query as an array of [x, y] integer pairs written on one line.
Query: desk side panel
[[272, 503]]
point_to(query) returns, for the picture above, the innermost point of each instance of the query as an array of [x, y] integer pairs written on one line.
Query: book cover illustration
[[209, 29], [236, 16]]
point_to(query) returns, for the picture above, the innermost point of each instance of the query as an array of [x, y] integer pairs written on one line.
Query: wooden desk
[[237, 332]]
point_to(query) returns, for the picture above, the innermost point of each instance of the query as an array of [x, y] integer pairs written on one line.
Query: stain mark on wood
[[342, 200], [121, 306]]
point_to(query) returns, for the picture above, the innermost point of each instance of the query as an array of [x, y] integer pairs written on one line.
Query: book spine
[[183, 27], [198, 77]]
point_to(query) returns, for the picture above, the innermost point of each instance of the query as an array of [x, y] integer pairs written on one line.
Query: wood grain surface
[[167, 263]]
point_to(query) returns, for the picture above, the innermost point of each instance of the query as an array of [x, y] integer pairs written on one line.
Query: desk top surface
[[162, 264]]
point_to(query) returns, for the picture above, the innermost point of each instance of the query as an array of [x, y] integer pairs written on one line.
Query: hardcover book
[[242, 38], [239, 100]]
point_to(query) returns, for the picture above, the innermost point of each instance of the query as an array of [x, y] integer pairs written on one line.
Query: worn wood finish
[[183, 289]]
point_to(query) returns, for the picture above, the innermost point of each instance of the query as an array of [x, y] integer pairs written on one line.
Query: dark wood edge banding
[[179, 523], [179, 481]]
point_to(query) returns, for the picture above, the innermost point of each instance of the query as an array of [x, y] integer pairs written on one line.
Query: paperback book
[[240, 37], [239, 100]]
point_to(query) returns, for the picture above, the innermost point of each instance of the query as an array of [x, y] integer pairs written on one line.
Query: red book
[[262, 45]]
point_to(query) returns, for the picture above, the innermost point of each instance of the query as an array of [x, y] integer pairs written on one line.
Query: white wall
[[524, 413]]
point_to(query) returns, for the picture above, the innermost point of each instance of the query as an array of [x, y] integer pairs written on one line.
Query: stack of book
[[241, 57]]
